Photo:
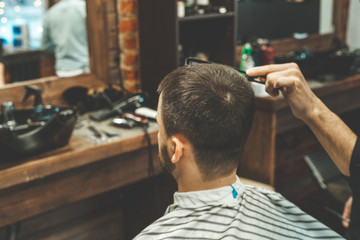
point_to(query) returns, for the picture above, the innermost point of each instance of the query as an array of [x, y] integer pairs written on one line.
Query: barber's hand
[[347, 211], [288, 79]]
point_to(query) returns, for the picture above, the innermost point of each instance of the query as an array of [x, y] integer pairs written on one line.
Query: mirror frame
[[53, 86]]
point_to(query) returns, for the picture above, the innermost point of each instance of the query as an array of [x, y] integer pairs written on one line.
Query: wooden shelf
[[209, 16], [161, 38]]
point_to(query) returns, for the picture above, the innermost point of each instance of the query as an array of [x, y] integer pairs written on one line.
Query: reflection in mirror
[[283, 19], [64, 31], [40, 39]]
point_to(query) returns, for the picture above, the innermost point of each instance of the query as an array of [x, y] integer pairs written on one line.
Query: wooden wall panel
[[101, 223], [47, 65], [111, 21], [113, 40], [115, 76], [113, 59], [116, 215], [145, 202], [111, 5], [340, 18], [96, 23], [293, 177], [99, 217], [44, 195], [259, 153], [112, 46]]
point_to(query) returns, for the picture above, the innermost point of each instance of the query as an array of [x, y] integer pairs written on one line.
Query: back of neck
[[195, 183]]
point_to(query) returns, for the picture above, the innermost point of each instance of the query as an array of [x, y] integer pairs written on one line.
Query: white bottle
[[203, 6], [180, 9]]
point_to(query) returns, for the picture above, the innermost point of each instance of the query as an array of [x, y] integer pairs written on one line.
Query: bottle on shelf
[[246, 60], [189, 7], [180, 9], [218, 9], [267, 54], [203, 6]]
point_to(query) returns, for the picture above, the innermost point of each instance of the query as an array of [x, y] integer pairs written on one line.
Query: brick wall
[[129, 47]]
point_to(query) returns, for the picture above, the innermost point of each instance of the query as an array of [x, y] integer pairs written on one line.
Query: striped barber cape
[[235, 212]]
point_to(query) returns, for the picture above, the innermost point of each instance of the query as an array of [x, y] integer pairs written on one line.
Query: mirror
[[98, 34], [282, 19], [33, 35]]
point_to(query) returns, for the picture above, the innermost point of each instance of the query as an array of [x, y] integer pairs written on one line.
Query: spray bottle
[[246, 60]]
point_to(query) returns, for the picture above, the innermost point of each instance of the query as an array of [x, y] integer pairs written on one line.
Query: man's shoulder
[[257, 212], [267, 201], [261, 191], [260, 194]]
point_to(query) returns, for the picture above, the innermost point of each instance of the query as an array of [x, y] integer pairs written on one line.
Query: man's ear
[[178, 147]]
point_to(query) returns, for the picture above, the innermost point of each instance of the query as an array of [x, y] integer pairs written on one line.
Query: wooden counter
[[80, 170]]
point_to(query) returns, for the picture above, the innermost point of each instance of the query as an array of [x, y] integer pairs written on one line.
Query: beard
[[165, 160]]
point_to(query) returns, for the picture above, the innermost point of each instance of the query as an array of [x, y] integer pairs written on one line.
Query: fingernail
[[249, 71]]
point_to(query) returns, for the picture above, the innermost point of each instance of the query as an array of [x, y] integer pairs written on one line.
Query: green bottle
[[246, 60]]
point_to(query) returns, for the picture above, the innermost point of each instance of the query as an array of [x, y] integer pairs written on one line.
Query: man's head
[[212, 107]]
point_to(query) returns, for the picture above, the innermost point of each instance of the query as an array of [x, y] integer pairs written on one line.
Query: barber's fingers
[[285, 77], [271, 89], [279, 81], [265, 70], [347, 212], [287, 80]]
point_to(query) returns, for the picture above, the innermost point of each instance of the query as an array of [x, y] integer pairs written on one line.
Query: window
[[21, 24]]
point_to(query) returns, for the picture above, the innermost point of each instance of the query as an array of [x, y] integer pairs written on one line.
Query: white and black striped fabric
[[235, 212]]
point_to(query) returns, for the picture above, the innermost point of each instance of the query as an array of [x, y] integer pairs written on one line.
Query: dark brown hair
[[213, 106]]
